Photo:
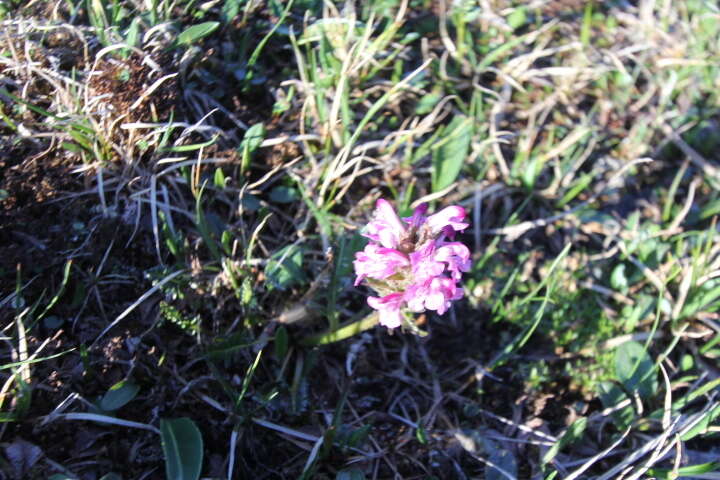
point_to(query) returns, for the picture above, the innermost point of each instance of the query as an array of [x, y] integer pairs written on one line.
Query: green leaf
[[517, 18], [97, 14], [611, 395], [53, 322], [501, 458], [190, 148], [682, 472], [330, 28], [281, 343], [427, 103], [573, 433], [246, 294], [118, 395], [132, 36], [633, 314], [576, 189], [201, 221], [635, 369], [710, 344], [530, 171], [345, 253], [703, 426], [250, 203], [284, 269], [250, 77], [251, 141], [618, 278], [421, 434], [61, 290], [701, 299], [450, 153], [196, 32], [282, 194], [183, 448], [687, 362], [220, 178], [350, 474], [586, 28], [710, 209], [229, 10], [23, 398], [225, 239], [253, 138], [358, 436], [32, 107], [227, 347]]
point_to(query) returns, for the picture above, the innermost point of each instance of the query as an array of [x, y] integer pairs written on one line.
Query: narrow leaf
[[450, 153], [635, 369], [196, 32], [284, 269], [183, 448], [572, 434], [118, 395]]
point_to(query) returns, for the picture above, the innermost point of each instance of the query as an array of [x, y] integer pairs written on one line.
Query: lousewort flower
[[411, 263]]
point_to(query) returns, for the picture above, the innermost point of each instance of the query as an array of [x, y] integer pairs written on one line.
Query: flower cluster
[[411, 263]]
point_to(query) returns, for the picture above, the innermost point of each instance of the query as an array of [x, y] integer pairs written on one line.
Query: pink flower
[[456, 256], [448, 217], [386, 227], [388, 308], [412, 266], [418, 216], [435, 294], [424, 265], [378, 262]]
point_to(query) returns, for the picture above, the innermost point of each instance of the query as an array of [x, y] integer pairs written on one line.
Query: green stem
[[345, 331]]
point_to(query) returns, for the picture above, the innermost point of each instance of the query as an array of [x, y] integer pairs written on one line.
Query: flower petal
[[386, 227], [424, 263], [378, 262], [456, 256], [418, 216], [390, 318], [388, 308], [448, 217]]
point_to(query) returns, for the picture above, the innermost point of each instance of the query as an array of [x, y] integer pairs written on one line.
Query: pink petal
[[450, 216], [378, 262], [435, 294], [385, 227], [390, 318], [415, 298], [436, 301], [450, 249], [441, 292], [456, 256], [424, 263], [388, 308], [386, 213], [418, 216]]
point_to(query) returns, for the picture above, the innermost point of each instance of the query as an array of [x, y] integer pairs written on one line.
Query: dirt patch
[[133, 88]]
